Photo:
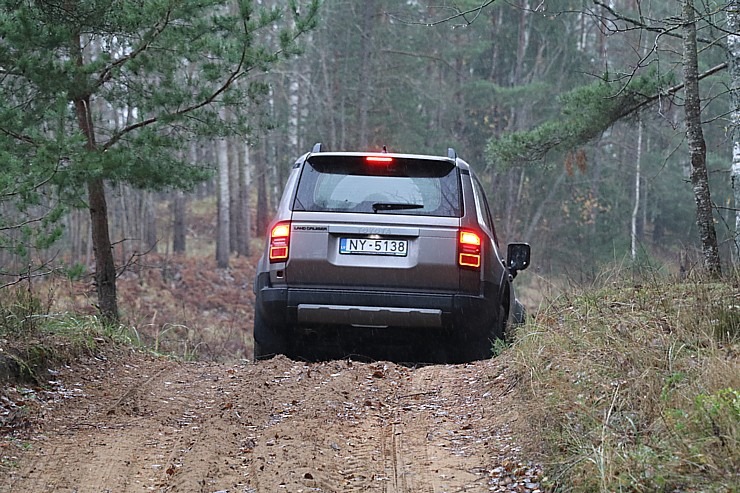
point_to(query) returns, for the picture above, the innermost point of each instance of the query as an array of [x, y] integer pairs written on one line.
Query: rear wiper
[[382, 206]]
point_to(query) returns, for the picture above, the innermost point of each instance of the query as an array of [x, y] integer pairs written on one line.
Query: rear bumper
[[295, 307]]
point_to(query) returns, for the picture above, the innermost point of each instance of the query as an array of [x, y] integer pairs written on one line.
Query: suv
[[372, 253]]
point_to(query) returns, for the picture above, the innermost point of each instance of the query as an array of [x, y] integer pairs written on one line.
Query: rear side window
[[401, 186]]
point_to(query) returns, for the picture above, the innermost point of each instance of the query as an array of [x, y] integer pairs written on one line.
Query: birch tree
[[223, 244], [733, 45], [638, 180]]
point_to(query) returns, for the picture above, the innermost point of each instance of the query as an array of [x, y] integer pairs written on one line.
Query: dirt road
[[146, 424]]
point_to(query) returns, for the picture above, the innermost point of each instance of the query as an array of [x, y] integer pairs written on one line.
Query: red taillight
[[279, 241], [379, 159], [469, 246]]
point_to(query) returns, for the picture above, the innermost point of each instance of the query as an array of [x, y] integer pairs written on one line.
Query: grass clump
[[635, 387], [33, 338]]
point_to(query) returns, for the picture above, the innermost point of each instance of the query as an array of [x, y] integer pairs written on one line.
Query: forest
[[603, 131]]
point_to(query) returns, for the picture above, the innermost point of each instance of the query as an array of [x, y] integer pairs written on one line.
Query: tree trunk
[[293, 113], [179, 206], [150, 222], [328, 97], [697, 145], [244, 224], [367, 28], [105, 268], [733, 45], [544, 206], [222, 238], [263, 201], [263, 214], [638, 178], [178, 223], [525, 13], [118, 221], [234, 171]]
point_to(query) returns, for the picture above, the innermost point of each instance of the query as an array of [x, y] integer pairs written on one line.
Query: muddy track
[[148, 424]]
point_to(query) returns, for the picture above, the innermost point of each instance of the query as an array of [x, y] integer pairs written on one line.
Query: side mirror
[[517, 257]]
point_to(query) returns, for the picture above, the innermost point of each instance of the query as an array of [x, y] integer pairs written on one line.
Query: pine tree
[[99, 91]]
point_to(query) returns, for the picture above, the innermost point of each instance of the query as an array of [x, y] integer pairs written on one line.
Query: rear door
[[389, 223]]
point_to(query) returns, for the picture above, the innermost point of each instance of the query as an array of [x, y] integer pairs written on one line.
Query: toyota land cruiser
[[372, 253]]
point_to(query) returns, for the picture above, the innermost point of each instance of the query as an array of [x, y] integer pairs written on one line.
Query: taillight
[[469, 249], [379, 159], [279, 242]]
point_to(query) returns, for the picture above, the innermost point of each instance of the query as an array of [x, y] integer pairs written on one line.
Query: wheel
[[479, 345], [499, 328], [269, 340]]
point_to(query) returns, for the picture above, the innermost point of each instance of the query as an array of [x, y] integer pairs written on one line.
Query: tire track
[[404, 440], [156, 425]]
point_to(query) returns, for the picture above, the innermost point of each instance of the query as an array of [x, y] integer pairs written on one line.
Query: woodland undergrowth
[[634, 386], [628, 386]]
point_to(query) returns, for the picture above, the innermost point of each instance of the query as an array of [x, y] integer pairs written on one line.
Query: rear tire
[[269, 339], [478, 345], [499, 329]]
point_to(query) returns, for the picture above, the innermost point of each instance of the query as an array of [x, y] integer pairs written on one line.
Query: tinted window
[[404, 186]]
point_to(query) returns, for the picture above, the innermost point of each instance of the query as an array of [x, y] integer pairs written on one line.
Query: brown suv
[[384, 256]]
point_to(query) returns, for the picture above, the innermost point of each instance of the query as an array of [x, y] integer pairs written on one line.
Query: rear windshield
[[403, 186]]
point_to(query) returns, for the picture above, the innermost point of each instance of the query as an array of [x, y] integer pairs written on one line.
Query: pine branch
[[17, 136], [25, 223], [107, 73], [241, 69], [189, 109], [597, 111], [672, 90]]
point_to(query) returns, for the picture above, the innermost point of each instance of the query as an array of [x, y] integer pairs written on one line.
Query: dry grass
[[180, 306], [188, 307], [635, 387]]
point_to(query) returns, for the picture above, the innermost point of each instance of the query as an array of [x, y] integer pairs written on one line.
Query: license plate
[[367, 246]]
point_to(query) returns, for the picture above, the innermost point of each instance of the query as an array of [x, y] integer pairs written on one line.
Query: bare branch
[[134, 260], [25, 277], [458, 14], [41, 271], [435, 58], [664, 30]]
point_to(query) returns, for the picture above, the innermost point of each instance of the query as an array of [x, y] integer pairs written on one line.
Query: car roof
[[426, 157]]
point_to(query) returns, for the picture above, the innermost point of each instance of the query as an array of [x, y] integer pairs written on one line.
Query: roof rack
[[451, 153]]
